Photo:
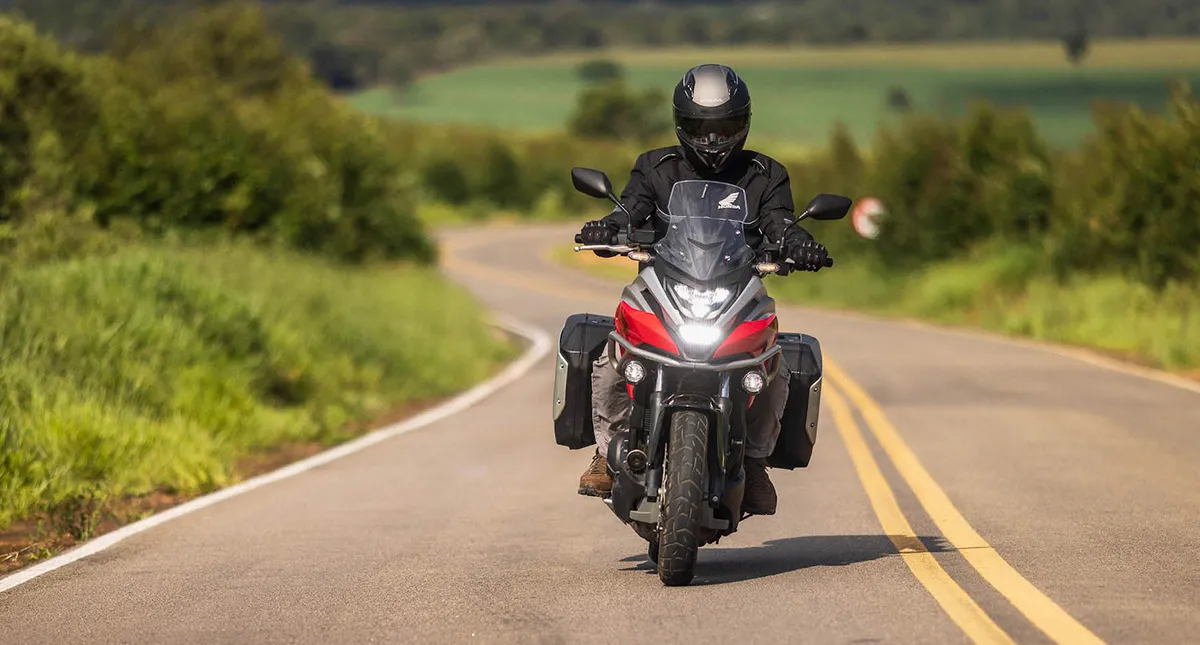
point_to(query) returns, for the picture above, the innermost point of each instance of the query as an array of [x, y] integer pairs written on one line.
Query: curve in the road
[[1082, 478]]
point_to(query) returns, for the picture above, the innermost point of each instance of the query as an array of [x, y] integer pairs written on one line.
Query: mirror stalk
[[628, 216]]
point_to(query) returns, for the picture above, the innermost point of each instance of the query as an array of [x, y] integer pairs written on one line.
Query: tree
[[1076, 42], [398, 73], [898, 99], [1076, 46], [600, 71], [614, 111], [336, 66]]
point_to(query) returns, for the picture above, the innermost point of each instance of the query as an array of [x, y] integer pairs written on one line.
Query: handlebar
[[615, 248], [624, 249]]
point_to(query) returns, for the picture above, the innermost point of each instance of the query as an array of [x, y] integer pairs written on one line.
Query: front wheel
[[687, 459]]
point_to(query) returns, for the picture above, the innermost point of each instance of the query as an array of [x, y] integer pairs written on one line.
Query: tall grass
[[158, 368]]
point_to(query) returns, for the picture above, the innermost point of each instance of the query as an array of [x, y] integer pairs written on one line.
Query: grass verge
[[133, 380], [1001, 292]]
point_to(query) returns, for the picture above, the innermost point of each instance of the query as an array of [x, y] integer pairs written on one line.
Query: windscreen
[[704, 235]]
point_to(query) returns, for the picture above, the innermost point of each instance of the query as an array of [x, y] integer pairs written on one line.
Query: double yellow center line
[[964, 611], [1043, 612], [1036, 606]]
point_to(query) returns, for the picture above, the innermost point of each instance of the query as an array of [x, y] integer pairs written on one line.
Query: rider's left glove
[[599, 232]]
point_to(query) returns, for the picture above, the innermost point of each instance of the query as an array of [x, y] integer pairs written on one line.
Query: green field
[[800, 93]]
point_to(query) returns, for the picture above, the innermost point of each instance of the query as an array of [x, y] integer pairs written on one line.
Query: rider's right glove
[[599, 232], [808, 255]]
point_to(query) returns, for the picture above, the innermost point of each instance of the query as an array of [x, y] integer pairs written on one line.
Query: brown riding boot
[[759, 498], [596, 482]]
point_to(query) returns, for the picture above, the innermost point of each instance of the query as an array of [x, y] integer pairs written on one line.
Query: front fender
[[691, 402]]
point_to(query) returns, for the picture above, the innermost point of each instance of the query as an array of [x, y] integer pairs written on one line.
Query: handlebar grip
[[828, 261], [578, 238]]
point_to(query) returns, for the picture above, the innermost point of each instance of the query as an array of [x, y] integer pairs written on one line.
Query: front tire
[[687, 459]]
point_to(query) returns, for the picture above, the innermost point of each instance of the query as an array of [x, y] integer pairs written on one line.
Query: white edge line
[[540, 346]]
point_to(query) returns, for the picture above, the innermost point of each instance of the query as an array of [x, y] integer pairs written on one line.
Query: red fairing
[[753, 337], [643, 328]]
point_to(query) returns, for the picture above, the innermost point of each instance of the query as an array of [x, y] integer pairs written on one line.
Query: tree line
[[212, 123], [353, 44]]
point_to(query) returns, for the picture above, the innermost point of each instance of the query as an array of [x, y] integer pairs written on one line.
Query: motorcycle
[[695, 338]]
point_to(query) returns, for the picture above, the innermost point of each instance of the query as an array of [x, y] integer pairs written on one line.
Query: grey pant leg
[[610, 404], [763, 417]]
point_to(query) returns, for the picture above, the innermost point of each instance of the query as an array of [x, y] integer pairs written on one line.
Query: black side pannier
[[798, 433], [582, 341]]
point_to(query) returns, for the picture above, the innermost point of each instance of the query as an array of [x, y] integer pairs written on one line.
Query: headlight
[[698, 334], [701, 303]]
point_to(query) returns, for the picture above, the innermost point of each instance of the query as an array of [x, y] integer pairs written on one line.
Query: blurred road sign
[[867, 216]]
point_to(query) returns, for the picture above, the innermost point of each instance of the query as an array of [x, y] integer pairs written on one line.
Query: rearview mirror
[[593, 183], [827, 207]]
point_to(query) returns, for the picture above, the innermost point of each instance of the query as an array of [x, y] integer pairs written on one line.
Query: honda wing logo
[[728, 202]]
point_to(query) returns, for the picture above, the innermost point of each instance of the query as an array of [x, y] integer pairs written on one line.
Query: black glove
[[599, 232], [808, 255]]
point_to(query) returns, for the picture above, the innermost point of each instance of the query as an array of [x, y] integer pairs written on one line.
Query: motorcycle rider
[[712, 121]]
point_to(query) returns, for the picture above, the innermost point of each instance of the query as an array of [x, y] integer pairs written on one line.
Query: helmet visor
[[714, 135]]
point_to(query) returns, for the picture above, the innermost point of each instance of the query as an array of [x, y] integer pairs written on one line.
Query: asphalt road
[[1052, 499]]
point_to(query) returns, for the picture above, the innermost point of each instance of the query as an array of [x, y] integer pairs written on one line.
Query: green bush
[[445, 181], [482, 171], [206, 124], [600, 71], [1127, 200], [48, 118], [1123, 203], [950, 185]]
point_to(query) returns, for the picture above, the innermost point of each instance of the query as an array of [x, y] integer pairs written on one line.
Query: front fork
[[636, 457]]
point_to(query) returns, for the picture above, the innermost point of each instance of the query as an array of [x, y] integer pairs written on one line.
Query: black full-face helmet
[[712, 115]]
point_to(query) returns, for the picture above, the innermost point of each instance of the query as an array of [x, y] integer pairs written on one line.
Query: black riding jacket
[[768, 192]]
